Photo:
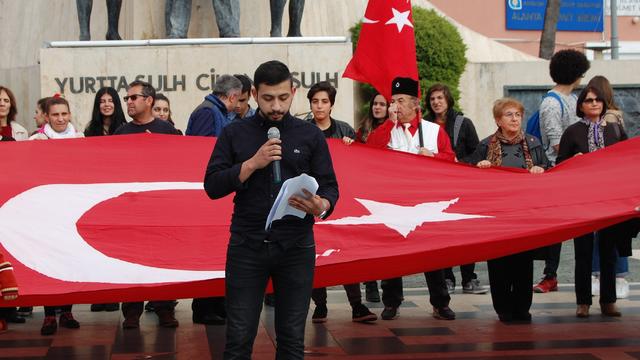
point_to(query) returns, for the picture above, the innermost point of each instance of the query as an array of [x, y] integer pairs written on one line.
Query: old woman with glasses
[[590, 134], [511, 276]]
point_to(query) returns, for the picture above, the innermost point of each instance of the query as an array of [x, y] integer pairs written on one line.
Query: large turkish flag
[[125, 218]]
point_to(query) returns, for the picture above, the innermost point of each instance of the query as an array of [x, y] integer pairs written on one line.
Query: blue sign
[[575, 15]]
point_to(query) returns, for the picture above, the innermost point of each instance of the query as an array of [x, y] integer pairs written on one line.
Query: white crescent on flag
[[51, 246]]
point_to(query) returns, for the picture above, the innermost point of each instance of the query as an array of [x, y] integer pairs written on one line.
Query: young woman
[[107, 113], [9, 129], [378, 112]]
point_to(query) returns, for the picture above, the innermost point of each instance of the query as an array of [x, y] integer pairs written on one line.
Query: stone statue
[[296, 7], [84, 18], [178, 15]]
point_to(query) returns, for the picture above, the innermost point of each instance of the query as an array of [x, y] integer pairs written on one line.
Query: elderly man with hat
[[406, 131], [401, 131]]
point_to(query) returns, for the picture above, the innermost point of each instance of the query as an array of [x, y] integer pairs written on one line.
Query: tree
[[548, 38]]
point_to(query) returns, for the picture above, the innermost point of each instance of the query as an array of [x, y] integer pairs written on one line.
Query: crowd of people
[[569, 126]]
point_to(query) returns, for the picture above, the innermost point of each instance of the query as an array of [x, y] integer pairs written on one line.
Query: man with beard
[[243, 162]]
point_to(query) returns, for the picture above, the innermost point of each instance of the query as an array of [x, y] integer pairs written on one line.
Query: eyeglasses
[[134, 97], [592, 100], [512, 115]]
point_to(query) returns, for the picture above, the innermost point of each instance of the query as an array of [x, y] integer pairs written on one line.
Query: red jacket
[[381, 136]]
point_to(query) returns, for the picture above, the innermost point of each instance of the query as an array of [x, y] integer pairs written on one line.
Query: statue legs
[[296, 8], [228, 17], [113, 11], [177, 15], [84, 18]]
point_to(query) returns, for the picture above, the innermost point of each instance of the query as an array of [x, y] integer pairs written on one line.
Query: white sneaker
[[622, 288], [595, 286]]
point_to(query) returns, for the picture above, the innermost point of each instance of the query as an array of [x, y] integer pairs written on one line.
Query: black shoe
[[167, 318], [390, 313], [522, 317], [25, 311], [97, 307], [443, 313], [371, 292], [208, 319], [360, 313], [505, 317], [270, 300], [67, 321], [319, 314], [50, 326], [112, 307]]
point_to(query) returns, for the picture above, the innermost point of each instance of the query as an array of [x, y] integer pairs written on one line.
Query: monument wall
[[185, 74]]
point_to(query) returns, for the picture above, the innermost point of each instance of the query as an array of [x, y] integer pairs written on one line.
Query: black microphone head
[[273, 133]]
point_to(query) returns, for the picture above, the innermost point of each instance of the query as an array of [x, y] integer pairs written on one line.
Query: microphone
[[274, 133]]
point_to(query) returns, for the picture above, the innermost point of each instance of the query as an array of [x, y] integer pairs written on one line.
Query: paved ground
[[554, 334]]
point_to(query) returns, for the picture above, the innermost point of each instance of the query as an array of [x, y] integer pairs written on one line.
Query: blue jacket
[[208, 118]]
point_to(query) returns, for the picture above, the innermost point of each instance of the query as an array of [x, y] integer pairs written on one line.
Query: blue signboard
[[575, 15]]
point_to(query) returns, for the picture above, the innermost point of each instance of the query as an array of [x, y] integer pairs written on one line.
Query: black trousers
[[210, 305], [552, 261], [583, 247], [467, 271], [438, 294], [354, 296], [136, 308], [511, 280], [51, 310], [247, 273]]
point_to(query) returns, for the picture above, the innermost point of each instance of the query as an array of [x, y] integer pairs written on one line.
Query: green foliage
[[440, 52]]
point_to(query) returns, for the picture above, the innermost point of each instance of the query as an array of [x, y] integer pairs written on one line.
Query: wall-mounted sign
[[625, 7], [575, 15]]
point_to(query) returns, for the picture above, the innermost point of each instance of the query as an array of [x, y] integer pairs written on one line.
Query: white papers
[[289, 188]]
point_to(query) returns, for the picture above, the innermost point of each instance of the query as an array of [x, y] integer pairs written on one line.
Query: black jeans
[[51, 310], [130, 309], [583, 247], [511, 280], [438, 294], [208, 306], [467, 271], [354, 295], [247, 272], [552, 261]]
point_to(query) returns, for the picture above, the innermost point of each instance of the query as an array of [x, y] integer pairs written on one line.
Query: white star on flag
[[403, 219], [400, 19]]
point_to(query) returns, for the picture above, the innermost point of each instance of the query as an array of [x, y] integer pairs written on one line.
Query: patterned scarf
[[595, 138], [494, 155]]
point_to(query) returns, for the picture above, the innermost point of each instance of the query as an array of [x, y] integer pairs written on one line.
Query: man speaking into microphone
[[243, 161]]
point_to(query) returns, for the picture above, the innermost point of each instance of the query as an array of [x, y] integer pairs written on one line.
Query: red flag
[[85, 225], [386, 47]]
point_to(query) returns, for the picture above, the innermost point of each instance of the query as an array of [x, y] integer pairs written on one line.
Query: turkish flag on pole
[[386, 48]]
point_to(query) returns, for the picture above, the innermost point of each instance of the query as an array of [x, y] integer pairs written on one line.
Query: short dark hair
[[147, 89], [567, 66], [56, 100], [323, 86], [271, 73], [42, 103], [447, 95], [13, 111], [246, 82], [583, 95]]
